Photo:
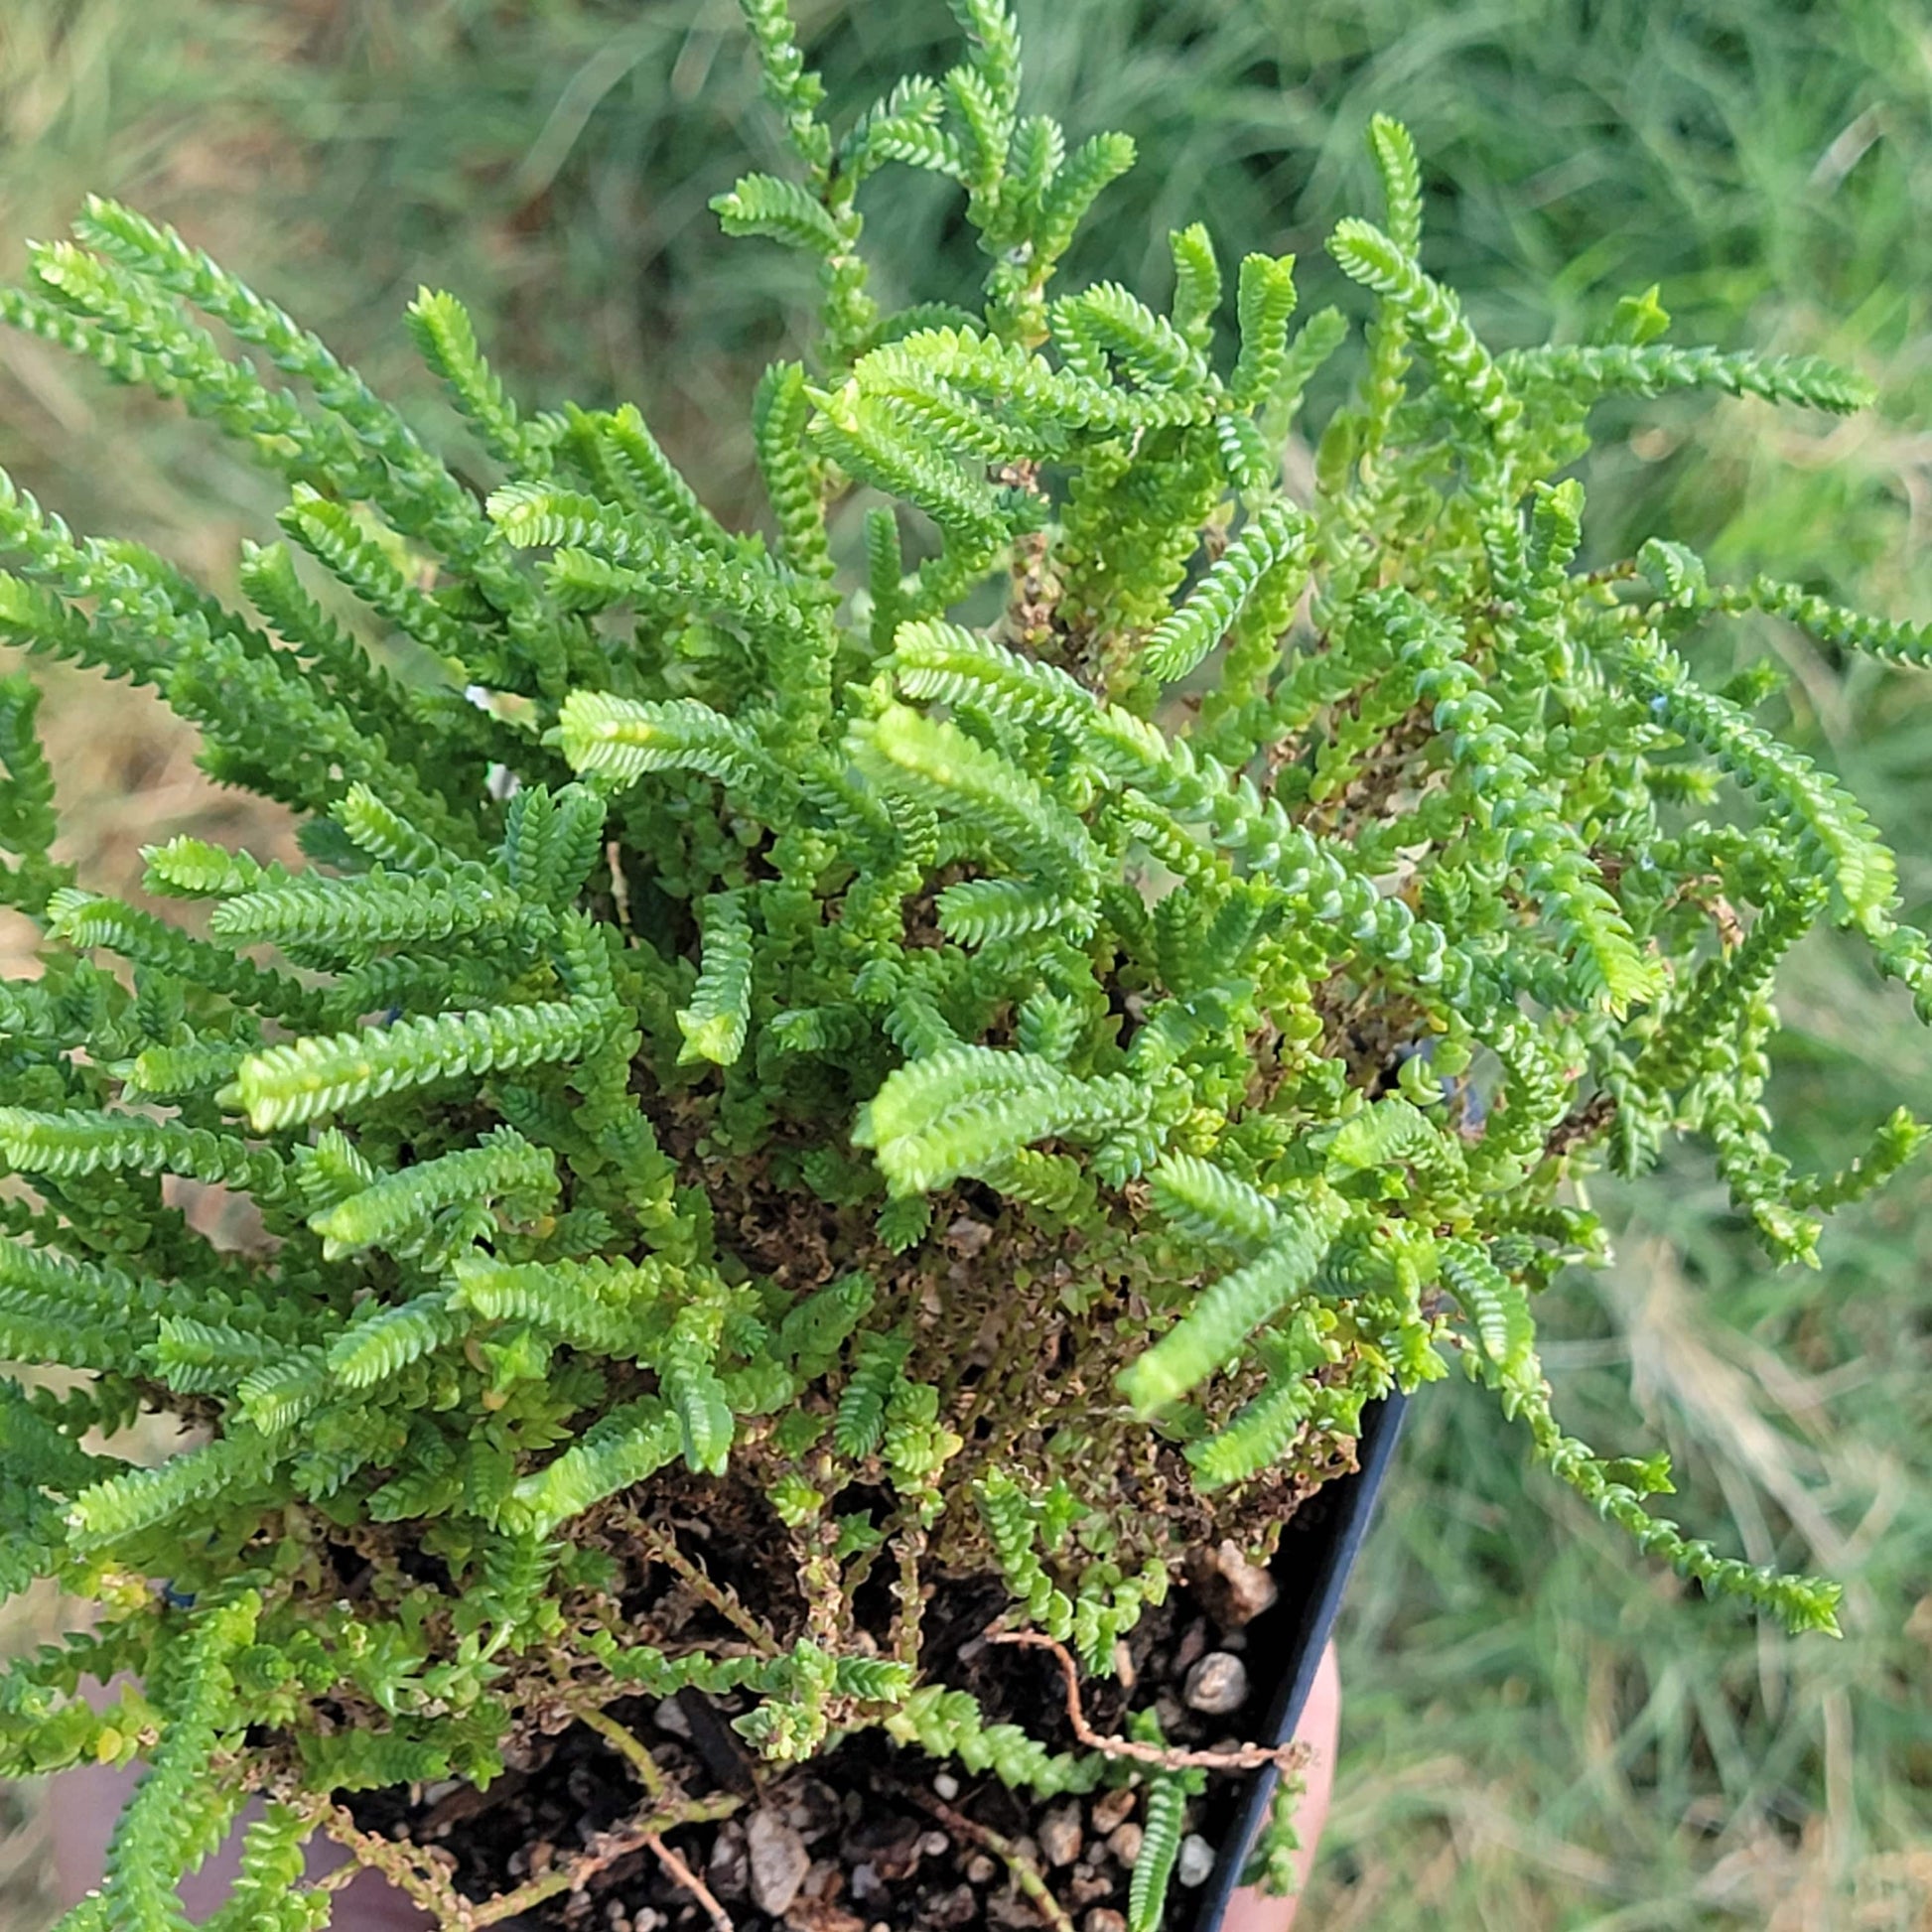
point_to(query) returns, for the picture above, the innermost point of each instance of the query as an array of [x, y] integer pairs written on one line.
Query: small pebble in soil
[[823, 1883], [778, 1861], [960, 1906], [1217, 1683], [947, 1786], [982, 1870], [890, 1844], [669, 1717], [1103, 1918], [1111, 1807], [815, 1811], [1196, 1859], [1060, 1837], [730, 1871], [1236, 1589], [1124, 1842], [1087, 1885]]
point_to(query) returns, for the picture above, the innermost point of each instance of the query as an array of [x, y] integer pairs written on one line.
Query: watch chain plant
[[984, 1022]]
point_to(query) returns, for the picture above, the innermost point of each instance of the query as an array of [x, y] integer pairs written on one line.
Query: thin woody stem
[[827, 1606], [910, 1593], [1165, 1757], [692, 1884], [413, 1872], [418, 1875], [643, 1828], [665, 1549]]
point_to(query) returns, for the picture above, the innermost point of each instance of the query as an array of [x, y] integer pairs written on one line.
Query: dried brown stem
[[1165, 1757], [689, 1880], [1580, 1124], [419, 1876], [636, 1833], [420, 1879], [910, 1593], [664, 1548], [827, 1608]]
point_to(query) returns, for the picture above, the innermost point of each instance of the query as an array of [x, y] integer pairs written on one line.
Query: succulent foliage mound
[[991, 1016]]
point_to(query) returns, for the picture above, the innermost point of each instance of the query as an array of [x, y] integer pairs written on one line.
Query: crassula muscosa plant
[[974, 1024]]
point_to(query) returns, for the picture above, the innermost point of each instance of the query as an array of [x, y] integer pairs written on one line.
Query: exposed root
[[1248, 1758]]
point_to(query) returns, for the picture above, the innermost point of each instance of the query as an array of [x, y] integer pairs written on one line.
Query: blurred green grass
[[1539, 1731]]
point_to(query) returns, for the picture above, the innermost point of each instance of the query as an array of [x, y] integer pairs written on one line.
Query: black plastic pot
[[1318, 1550]]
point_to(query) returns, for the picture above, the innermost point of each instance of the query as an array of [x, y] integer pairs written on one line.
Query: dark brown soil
[[870, 1836]]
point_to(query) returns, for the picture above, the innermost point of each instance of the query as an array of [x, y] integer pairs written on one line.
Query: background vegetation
[[1537, 1735]]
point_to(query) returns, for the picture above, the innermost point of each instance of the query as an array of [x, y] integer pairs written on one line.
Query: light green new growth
[[973, 1032]]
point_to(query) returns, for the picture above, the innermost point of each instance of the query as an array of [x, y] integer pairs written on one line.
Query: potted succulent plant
[[847, 1119]]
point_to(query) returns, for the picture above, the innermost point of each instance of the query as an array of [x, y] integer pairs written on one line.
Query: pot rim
[[1321, 1577]]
